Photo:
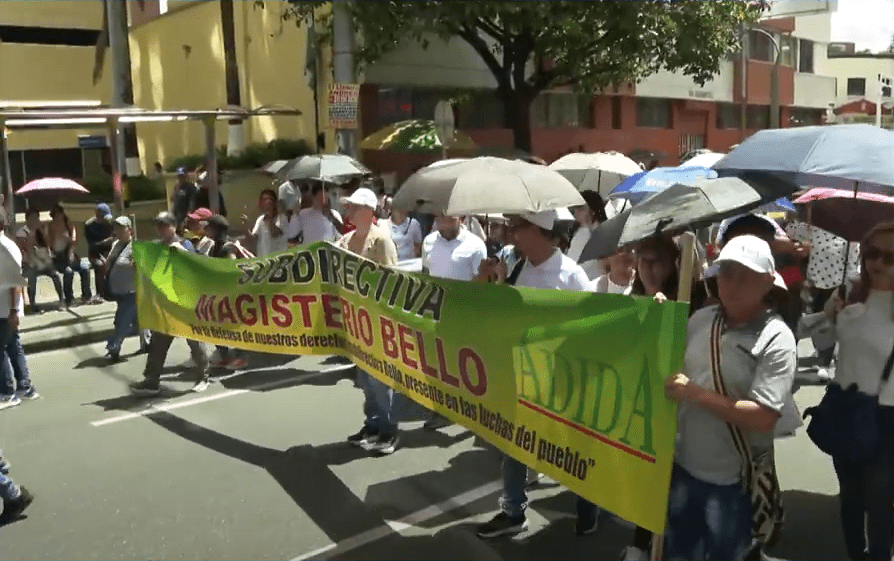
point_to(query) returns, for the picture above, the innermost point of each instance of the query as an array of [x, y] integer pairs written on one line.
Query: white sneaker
[[8, 401], [201, 386], [635, 554]]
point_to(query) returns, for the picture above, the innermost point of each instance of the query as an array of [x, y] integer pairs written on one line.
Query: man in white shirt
[[13, 368], [316, 223], [452, 251], [544, 266]]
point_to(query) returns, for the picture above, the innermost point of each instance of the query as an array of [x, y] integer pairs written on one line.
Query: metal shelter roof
[[77, 117]]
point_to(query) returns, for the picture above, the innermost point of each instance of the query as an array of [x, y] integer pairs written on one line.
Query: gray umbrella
[[695, 204], [838, 156], [334, 168]]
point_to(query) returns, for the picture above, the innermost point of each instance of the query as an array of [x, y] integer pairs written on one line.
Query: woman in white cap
[[739, 367], [379, 433]]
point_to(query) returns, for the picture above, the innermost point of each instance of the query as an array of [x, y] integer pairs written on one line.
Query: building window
[[856, 87], [761, 47], [483, 110], [729, 116], [617, 111], [395, 105], [758, 117], [803, 117], [70, 37], [805, 56], [556, 110], [653, 113], [789, 46]]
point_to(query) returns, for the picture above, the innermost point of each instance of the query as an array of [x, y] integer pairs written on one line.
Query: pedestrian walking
[[379, 433], [160, 343], [269, 231], [216, 231], [13, 367], [543, 266], [183, 196], [865, 333], [121, 286]]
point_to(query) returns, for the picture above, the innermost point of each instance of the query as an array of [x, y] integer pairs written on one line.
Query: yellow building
[[177, 58], [47, 53]]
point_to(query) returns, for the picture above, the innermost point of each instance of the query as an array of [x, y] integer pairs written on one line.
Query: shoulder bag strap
[[516, 272], [739, 440]]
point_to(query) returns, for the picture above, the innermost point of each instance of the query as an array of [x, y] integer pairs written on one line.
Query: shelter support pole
[[343, 65], [684, 291], [115, 165], [6, 176], [211, 163]]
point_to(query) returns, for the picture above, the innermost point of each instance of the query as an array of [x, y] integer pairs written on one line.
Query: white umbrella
[[485, 186], [600, 172], [704, 160], [325, 167]]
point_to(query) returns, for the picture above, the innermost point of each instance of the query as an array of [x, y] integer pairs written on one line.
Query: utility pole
[[343, 65], [122, 85]]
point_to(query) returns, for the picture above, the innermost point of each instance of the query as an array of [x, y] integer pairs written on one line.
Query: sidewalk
[[60, 328]]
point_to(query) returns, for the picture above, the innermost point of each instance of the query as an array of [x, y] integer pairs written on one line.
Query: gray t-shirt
[[758, 363], [121, 273]]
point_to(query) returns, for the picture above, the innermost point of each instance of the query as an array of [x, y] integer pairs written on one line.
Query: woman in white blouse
[[865, 332], [406, 233]]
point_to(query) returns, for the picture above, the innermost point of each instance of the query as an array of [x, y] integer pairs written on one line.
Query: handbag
[[845, 424], [758, 472]]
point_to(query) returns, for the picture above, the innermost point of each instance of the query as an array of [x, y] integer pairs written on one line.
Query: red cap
[[201, 214]]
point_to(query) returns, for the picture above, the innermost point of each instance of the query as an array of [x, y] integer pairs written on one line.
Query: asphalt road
[[256, 468]]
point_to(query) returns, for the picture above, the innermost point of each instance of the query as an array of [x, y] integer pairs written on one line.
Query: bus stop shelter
[[111, 119]]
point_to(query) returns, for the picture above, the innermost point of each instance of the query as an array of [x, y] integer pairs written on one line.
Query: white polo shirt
[[456, 259], [11, 274], [559, 272]]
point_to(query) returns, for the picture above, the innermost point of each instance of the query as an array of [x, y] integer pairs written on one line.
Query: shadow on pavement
[[305, 474], [812, 527]]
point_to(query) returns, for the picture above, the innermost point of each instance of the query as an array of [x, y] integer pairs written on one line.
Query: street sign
[[343, 102], [92, 141], [444, 120]]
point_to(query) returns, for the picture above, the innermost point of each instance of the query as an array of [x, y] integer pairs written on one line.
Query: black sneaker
[[587, 522], [14, 508], [503, 525], [384, 444], [145, 387], [363, 437]]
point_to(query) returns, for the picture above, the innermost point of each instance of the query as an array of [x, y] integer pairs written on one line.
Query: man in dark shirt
[[98, 233], [203, 197], [184, 196]]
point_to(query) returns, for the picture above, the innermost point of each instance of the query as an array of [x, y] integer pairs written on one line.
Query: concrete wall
[[83, 14], [178, 63], [678, 86], [859, 67]]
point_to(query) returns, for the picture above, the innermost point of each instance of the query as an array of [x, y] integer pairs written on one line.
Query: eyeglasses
[[872, 253]]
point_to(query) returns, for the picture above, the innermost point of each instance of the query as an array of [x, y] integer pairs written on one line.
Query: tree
[[530, 47], [231, 72]]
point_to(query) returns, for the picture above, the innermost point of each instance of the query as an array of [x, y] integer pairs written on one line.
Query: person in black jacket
[[203, 196]]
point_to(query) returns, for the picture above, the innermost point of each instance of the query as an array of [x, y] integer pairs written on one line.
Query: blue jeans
[[378, 404], [706, 521], [68, 270], [125, 320], [866, 492], [514, 500], [13, 366]]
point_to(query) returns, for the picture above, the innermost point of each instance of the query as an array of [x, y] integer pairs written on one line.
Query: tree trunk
[[235, 143], [517, 118]]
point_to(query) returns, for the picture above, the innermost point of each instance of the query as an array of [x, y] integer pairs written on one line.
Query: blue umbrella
[[779, 205], [853, 157], [641, 186]]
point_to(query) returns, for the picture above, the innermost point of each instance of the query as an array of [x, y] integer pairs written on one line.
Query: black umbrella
[[684, 205]]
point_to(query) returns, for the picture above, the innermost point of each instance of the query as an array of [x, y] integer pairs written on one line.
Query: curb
[[65, 342]]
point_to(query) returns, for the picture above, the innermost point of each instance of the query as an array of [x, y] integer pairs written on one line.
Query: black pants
[[159, 345], [867, 491]]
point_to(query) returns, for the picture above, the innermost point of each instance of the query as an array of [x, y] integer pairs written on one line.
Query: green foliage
[[252, 157], [140, 188], [592, 45]]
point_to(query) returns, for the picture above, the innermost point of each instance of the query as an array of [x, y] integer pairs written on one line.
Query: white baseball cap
[[362, 197], [751, 252], [123, 221], [545, 219]]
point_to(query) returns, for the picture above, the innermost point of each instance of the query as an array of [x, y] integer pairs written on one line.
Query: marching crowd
[[734, 392]]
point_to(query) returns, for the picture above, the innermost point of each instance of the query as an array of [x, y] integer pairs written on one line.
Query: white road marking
[[153, 409], [428, 513]]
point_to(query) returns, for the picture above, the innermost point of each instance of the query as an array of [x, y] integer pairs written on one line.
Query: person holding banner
[[160, 343], [544, 266], [739, 367], [379, 433]]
